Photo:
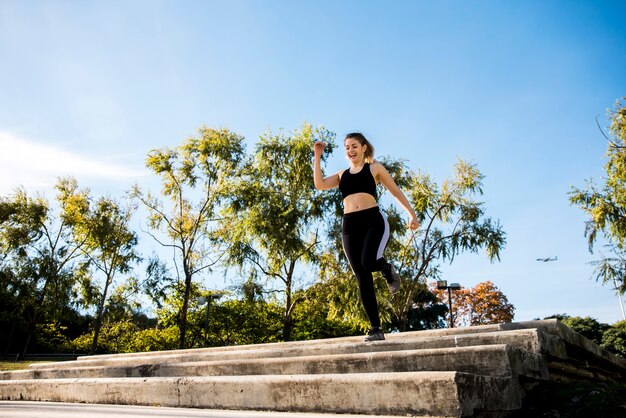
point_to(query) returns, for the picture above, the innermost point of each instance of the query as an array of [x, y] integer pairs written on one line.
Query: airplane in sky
[[545, 260]]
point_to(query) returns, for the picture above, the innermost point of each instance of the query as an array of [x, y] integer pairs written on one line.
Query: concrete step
[[411, 335], [582, 359], [449, 394], [530, 340], [491, 360]]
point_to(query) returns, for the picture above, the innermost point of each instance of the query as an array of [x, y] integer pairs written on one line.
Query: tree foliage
[[37, 258], [108, 243], [587, 327], [453, 221], [605, 205], [614, 339], [428, 311], [271, 221], [195, 179], [313, 318]]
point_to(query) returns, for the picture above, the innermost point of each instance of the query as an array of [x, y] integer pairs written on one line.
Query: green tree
[[614, 339], [245, 322], [560, 316], [11, 308], [313, 319], [37, 250], [195, 178], [337, 287], [125, 328], [273, 217], [587, 327], [427, 310], [453, 221], [108, 241], [158, 281], [605, 205], [229, 321]]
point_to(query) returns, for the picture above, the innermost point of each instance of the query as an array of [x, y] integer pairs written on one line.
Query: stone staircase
[[472, 371]]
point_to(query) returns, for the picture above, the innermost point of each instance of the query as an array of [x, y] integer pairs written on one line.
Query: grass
[[16, 365]]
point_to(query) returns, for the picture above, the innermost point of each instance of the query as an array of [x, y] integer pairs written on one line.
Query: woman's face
[[355, 152]]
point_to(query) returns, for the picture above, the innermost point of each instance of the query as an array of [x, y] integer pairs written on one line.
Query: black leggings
[[365, 235]]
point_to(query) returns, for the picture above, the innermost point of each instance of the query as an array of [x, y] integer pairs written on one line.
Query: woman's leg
[[375, 242], [353, 241]]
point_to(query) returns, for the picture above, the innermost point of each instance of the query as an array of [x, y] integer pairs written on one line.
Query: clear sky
[[88, 88]]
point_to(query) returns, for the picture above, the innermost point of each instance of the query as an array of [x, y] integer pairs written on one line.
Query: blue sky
[[88, 88]]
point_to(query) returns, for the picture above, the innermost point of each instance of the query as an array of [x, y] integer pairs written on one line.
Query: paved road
[[26, 409]]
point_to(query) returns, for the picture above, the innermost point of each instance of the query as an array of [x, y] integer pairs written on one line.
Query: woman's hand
[[318, 148], [414, 223]]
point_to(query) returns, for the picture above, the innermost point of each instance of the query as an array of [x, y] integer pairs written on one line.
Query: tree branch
[[158, 241], [613, 144], [267, 273], [159, 212], [210, 264]]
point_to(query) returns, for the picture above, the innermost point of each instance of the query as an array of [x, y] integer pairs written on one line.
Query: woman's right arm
[[321, 182]]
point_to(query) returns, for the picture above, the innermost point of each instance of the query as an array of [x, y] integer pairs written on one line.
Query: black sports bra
[[361, 182]]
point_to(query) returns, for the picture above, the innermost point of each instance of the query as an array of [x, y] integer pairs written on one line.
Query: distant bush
[[154, 339], [610, 337], [587, 327], [614, 339]]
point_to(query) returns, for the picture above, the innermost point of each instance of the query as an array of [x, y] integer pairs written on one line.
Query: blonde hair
[[369, 151]]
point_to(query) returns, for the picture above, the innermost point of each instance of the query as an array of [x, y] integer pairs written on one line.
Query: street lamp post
[[201, 301], [443, 284]]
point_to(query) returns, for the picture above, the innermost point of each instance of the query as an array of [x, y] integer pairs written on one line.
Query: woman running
[[365, 230]]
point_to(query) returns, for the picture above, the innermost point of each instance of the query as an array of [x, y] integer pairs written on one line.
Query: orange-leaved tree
[[482, 304]]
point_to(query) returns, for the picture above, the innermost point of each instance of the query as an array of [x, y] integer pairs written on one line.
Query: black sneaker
[[393, 280], [374, 335]]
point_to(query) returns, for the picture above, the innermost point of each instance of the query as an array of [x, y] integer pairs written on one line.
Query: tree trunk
[[31, 331], [403, 320], [33, 320], [287, 323], [183, 310], [98, 320], [287, 328], [6, 350]]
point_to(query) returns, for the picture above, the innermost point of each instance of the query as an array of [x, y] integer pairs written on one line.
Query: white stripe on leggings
[[384, 239]]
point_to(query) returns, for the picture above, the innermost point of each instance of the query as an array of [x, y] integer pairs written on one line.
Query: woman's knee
[[369, 265], [372, 265]]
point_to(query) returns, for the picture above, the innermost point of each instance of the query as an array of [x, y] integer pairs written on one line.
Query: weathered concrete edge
[[489, 360], [492, 396], [416, 393], [568, 335]]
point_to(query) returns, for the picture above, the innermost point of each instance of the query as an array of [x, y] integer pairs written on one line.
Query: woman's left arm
[[380, 172]]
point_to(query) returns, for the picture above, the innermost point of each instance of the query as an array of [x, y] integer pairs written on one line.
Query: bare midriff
[[358, 201]]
